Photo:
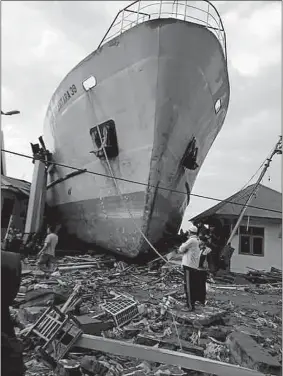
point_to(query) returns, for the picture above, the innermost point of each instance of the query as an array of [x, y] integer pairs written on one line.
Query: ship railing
[[200, 12]]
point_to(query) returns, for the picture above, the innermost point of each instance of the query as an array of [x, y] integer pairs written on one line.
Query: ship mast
[[277, 150]]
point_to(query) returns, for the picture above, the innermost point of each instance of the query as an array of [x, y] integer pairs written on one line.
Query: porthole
[[89, 83]]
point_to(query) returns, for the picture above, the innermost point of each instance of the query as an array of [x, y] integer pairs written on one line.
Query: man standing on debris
[[194, 276], [47, 254], [213, 243]]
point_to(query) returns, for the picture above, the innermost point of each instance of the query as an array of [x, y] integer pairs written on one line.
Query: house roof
[[265, 198], [15, 185]]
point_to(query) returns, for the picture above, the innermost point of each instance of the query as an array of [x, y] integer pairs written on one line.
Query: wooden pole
[[38, 179], [153, 354], [276, 150], [9, 226]]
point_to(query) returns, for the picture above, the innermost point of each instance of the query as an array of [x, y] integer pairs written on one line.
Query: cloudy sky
[[43, 40]]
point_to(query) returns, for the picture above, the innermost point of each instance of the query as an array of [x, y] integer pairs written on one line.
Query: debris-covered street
[[141, 199], [239, 315]]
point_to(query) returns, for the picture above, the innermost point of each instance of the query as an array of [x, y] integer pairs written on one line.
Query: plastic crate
[[122, 309]]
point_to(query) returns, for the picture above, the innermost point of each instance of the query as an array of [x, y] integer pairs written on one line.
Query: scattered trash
[[217, 352], [143, 305], [262, 276]]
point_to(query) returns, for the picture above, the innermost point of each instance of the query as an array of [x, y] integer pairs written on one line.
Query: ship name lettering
[[65, 97]]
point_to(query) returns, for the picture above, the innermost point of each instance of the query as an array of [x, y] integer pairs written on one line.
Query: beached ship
[[141, 112]]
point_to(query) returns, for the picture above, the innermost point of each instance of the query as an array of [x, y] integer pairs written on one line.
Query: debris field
[[240, 324]]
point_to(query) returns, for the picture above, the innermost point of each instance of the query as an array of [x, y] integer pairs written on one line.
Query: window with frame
[[104, 137], [251, 241]]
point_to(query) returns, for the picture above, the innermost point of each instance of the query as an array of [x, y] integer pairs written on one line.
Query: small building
[[14, 203], [258, 241]]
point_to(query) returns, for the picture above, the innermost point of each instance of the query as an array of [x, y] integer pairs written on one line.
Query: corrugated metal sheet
[[266, 198], [15, 185]]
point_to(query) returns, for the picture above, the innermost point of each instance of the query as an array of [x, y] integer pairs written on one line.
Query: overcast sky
[[43, 41]]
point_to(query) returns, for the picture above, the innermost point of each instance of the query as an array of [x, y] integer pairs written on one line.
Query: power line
[[245, 186], [256, 172], [139, 183], [245, 194]]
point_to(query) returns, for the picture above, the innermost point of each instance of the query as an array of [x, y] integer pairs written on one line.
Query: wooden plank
[[75, 267], [153, 354], [186, 346]]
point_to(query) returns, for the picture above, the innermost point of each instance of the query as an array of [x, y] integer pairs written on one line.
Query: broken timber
[[156, 355]]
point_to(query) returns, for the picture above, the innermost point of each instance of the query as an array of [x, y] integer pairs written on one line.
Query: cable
[[254, 175], [139, 183], [245, 186]]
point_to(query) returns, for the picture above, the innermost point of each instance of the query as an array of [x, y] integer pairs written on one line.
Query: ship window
[[104, 137], [89, 83], [217, 106]]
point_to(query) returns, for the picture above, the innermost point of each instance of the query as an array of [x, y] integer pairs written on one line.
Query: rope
[[119, 191], [125, 204]]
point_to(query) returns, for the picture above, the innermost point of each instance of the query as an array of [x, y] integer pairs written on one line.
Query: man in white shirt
[[47, 254], [194, 276]]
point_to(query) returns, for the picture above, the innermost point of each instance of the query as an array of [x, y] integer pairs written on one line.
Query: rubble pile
[[262, 276], [156, 315]]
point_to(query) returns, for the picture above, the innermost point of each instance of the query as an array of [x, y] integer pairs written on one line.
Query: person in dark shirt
[[213, 244]]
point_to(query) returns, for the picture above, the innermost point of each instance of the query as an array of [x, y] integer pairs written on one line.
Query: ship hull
[[159, 83]]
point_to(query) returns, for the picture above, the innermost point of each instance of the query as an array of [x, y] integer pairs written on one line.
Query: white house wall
[[272, 248]]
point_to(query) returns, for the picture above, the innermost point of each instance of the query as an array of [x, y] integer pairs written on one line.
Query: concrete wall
[[272, 248]]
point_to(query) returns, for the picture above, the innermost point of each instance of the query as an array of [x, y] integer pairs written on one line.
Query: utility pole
[[277, 150], [37, 195]]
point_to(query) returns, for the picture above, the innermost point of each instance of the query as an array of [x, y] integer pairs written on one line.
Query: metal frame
[[130, 17]]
